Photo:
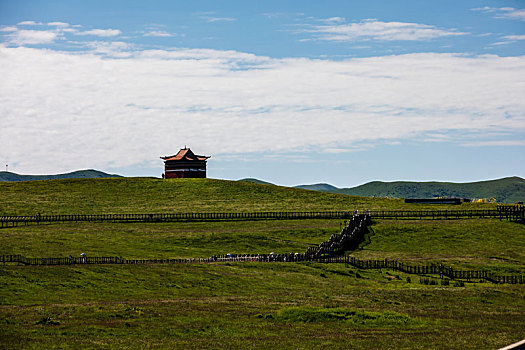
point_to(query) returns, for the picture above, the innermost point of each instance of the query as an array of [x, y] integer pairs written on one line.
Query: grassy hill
[[319, 187], [138, 195], [506, 190], [256, 181], [80, 174]]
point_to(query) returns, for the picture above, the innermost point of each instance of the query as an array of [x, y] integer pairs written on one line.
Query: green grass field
[[246, 305], [468, 244], [149, 195], [166, 240]]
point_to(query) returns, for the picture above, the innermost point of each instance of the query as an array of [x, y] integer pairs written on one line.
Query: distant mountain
[[506, 190], [261, 182], [80, 174], [319, 187]]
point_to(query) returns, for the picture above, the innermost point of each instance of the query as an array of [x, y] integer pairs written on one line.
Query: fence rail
[[349, 238], [430, 269], [6, 221], [435, 214], [172, 217]]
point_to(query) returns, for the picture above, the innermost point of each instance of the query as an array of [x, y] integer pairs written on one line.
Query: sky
[[290, 92]]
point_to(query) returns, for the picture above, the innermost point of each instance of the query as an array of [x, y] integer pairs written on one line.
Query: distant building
[[437, 200], [185, 164]]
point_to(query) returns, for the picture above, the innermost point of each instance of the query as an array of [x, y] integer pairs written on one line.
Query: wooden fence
[[514, 212], [7, 221], [351, 235], [430, 269], [171, 217], [435, 214]]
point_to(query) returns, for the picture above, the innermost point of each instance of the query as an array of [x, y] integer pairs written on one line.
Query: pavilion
[[185, 164]]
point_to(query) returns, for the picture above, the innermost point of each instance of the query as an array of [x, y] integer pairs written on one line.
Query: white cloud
[[29, 23], [497, 143], [376, 30], [55, 31], [158, 33], [8, 29], [110, 48], [91, 110], [499, 43], [485, 9], [212, 19], [334, 19], [67, 30], [504, 12], [273, 15], [339, 150], [32, 37], [58, 24], [514, 37], [101, 32], [509, 39], [513, 14]]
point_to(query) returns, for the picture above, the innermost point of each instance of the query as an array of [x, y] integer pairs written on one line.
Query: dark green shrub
[[47, 321], [357, 317]]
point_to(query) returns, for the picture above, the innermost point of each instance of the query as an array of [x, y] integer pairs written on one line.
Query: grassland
[[248, 306], [466, 244], [166, 240], [245, 305], [149, 195]]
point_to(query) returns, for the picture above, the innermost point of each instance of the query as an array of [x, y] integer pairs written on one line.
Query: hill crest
[[505, 190], [324, 187], [79, 174]]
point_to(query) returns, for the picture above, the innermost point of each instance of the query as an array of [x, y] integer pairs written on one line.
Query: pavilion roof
[[185, 154]]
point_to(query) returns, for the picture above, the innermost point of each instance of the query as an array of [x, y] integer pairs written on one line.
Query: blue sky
[[291, 92]]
